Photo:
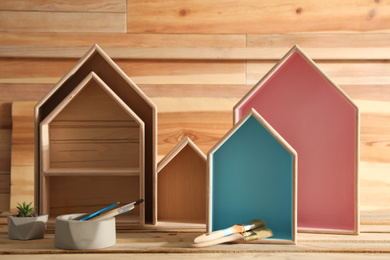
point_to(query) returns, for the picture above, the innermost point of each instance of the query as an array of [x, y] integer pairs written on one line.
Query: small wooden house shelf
[[322, 124], [252, 175], [92, 153], [181, 187], [97, 61]]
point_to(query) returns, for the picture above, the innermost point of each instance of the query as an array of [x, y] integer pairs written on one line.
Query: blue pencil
[[97, 213]]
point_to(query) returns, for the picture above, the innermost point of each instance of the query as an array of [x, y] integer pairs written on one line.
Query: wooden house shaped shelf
[[95, 134], [181, 187], [322, 124], [91, 138], [252, 175]]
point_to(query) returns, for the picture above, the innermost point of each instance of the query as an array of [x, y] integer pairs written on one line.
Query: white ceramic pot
[[71, 233], [26, 228]]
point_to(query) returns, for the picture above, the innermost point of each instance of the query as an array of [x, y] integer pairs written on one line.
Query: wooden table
[[373, 242]]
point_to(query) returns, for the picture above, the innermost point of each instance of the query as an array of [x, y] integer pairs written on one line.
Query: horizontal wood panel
[[251, 16], [93, 154], [120, 39], [191, 72], [62, 22], [199, 53], [140, 71], [203, 128], [65, 5], [342, 73], [320, 40], [75, 194]]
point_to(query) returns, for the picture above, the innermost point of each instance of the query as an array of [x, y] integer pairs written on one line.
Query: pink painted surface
[[320, 124]]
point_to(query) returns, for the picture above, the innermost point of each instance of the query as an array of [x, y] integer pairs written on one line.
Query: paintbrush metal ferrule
[[255, 223], [256, 234], [247, 236]]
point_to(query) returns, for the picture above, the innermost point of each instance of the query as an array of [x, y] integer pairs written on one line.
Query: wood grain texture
[[250, 16], [165, 245], [196, 58], [62, 22], [140, 71], [205, 128], [65, 5], [199, 53], [216, 255], [123, 40], [4, 184], [182, 188], [319, 40], [22, 154], [342, 73]]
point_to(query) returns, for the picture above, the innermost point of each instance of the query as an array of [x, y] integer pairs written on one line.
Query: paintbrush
[[255, 223], [118, 211], [250, 235]]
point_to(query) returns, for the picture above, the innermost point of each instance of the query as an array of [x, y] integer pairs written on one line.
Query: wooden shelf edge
[[92, 172]]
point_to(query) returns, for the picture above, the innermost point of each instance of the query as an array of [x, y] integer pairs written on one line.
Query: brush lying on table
[[255, 223], [250, 235]]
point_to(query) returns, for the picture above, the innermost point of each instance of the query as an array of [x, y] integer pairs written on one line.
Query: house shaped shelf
[[322, 124], [252, 175], [91, 153], [97, 61], [181, 187]]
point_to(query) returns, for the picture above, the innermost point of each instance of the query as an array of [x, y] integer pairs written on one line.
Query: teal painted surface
[[252, 177]]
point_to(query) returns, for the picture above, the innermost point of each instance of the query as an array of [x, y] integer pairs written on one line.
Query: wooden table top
[[372, 242]]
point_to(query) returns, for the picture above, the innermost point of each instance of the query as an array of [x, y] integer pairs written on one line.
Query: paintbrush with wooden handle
[[250, 235], [231, 230]]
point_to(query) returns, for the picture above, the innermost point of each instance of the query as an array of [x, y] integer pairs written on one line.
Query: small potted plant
[[26, 225]]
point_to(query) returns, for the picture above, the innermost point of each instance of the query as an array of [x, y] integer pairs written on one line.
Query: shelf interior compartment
[[88, 194]]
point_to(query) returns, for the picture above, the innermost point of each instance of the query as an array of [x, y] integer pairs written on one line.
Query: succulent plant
[[25, 210]]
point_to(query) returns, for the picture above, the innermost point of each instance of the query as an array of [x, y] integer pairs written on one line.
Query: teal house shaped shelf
[[321, 122], [252, 174]]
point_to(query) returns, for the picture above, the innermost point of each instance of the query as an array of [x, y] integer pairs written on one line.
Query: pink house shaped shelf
[[92, 153], [97, 61], [252, 175], [181, 187], [322, 124]]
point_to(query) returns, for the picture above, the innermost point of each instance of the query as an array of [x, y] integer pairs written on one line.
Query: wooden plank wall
[[197, 58]]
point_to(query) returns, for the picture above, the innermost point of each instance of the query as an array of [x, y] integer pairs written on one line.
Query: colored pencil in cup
[[118, 211], [255, 223], [247, 236], [99, 212]]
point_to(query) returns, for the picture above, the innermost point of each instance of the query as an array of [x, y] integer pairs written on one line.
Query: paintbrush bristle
[[138, 202]]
